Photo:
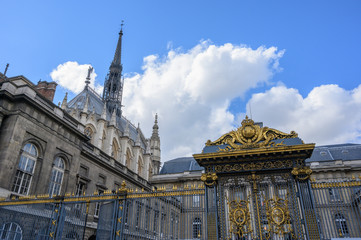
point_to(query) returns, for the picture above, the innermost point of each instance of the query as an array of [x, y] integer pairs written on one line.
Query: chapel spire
[[113, 86]]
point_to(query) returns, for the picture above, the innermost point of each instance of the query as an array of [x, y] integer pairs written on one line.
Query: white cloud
[[71, 76], [328, 115], [191, 92]]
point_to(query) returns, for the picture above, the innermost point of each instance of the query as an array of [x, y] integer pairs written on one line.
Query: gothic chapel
[[83, 146], [108, 129]]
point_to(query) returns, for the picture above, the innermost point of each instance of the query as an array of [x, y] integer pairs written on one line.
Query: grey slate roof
[[179, 165], [345, 152], [96, 104]]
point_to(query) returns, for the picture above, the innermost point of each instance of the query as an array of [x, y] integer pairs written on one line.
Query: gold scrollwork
[[253, 166], [302, 173], [239, 217], [209, 179], [278, 216], [251, 135]]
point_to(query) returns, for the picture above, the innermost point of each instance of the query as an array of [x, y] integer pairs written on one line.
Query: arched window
[[115, 149], [89, 132], [11, 231], [341, 225], [128, 158], [197, 228], [140, 166], [25, 171], [57, 175]]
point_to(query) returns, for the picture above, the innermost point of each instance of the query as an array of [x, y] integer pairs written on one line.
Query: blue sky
[[320, 39]]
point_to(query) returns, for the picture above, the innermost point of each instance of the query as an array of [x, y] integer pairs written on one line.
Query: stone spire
[[65, 101], [155, 146], [155, 133], [113, 86]]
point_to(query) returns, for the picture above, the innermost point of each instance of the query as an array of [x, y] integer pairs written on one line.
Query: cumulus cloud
[[71, 76], [191, 92], [329, 114]]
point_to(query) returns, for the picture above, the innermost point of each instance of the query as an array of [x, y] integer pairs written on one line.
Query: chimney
[[47, 89]]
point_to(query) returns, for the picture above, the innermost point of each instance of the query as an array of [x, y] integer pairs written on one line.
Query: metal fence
[[176, 214], [338, 209], [234, 208]]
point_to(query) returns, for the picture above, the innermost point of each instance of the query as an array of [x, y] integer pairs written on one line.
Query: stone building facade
[[84, 146]]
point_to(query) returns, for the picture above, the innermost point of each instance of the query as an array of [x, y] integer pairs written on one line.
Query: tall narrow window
[[341, 225], [57, 175], [97, 205], [197, 228], [334, 194], [196, 201], [11, 231], [140, 166], [115, 149], [25, 171], [128, 158]]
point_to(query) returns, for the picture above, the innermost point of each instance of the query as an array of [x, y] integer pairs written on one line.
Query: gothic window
[[25, 170], [103, 139], [197, 228], [128, 158], [140, 166], [11, 231], [341, 225], [88, 132], [57, 175], [115, 149]]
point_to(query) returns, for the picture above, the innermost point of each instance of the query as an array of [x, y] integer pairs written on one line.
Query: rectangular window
[[83, 171], [116, 186], [196, 201], [102, 179], [97, 205], [334, 194], [80, 188]]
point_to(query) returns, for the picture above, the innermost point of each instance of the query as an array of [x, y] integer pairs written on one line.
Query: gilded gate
[[259, 181]]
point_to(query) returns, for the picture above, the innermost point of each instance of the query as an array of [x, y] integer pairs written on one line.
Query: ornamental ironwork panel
[[259, 206]]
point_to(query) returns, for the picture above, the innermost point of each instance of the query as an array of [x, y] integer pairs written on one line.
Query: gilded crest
[[251, 135]]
